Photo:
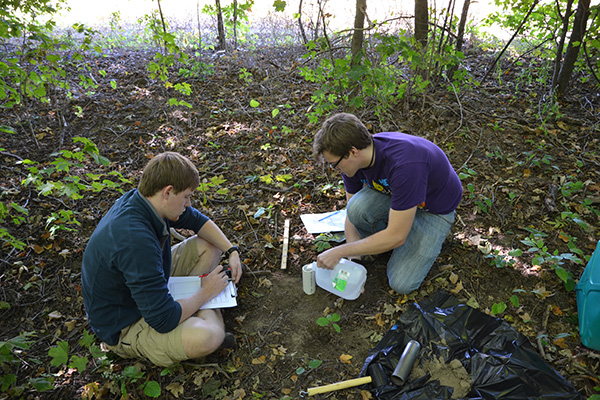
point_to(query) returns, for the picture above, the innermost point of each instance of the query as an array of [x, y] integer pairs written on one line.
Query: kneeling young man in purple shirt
[[402, 194]]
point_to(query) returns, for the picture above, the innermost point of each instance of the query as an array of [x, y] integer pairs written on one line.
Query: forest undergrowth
[[528, 220]]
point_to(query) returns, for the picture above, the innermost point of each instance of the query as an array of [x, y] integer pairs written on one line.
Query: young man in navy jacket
[[128, 261]]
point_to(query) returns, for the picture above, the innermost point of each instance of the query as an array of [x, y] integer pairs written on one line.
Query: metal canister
[[409, 355], [308, 279]]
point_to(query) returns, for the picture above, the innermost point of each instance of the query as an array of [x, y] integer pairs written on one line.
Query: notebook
[[185, 286]]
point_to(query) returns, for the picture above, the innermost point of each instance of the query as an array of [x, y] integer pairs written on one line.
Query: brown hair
[[168, 168], [339, 134]]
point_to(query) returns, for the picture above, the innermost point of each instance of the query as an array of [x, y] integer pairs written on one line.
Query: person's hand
[[215, 282], [328, 259], [236, 267]]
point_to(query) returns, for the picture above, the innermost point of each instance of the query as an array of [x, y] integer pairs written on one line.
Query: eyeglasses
[[334, 165]]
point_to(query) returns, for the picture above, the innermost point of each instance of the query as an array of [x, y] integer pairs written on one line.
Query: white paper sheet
[[333, 221], [185, 286]]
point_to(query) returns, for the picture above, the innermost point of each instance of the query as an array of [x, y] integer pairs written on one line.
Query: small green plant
[[543, 257], [59, 221], [278, 180], [60, 358], [484, 204], [500, 260], [498, 308], [215, 182], [245, 76], [312, 364], [17, 217], [70, 185], [323, 241], [597, 389], [132, 375], [330, 319], [9, 362]]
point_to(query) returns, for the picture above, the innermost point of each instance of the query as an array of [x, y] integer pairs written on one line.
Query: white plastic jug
[[346, 279]]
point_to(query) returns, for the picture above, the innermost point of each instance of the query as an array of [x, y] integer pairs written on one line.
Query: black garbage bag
[[501, 362]]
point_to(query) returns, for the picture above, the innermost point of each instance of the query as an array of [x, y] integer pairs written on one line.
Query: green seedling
[[330, 319], [312, 364]]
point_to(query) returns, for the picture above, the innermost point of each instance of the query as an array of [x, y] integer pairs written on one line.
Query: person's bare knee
[[203, 334]]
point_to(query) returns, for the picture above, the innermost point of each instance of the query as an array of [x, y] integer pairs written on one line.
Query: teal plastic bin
[[588, 302]]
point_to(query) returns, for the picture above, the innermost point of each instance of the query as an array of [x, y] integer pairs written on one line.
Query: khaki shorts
[[139, 340]]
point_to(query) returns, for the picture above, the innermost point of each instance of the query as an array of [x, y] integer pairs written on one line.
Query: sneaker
[[365, 261], [229, 341]]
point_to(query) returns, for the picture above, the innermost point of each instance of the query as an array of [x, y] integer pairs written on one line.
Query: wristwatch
[[231, 250]]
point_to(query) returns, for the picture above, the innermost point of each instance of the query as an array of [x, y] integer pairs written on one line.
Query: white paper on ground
[[333, 221]]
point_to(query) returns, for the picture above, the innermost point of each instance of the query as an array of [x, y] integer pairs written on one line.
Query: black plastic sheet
[[501, 362]]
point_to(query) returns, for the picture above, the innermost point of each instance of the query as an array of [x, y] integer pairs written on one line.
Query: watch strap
[[231, 250]]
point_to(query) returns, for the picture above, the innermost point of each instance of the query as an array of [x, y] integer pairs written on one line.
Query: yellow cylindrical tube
[[339, 385]]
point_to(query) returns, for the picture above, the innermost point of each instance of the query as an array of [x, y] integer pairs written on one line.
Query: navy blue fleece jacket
[[126, 266]]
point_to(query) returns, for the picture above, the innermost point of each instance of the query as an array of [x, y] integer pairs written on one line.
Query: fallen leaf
[[389, 309], [563, 237], [239, 394], [458, 288], [557, 311], [54, 315], [403, 299], [560, 342], [38, 249], [71, 324], [527, 173], [90, 391], [472, 302], [175, 388], [541, 291], [264, 282], [453, 278], [345, 358], [280, 351], [525, 317], [259, 360]]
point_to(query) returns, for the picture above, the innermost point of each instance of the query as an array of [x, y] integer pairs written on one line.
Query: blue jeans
[[368, 210]]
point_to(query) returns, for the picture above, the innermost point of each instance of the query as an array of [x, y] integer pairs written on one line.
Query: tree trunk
[[357, 52], [220, 27], [199, 27], [302, 33], [162, 20], [579, 27], [357, 36], [563, 37], [421, 22], [235, 10], [461, 26]]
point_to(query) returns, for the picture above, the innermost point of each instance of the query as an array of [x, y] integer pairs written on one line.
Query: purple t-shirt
[[413, 170]]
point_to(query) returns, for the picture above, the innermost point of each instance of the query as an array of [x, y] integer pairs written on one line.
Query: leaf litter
[[275, 322]]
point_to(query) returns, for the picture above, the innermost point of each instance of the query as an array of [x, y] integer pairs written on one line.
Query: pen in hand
[[227, 271]]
